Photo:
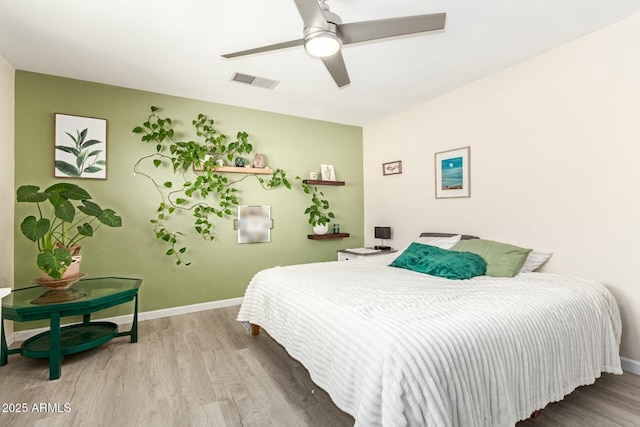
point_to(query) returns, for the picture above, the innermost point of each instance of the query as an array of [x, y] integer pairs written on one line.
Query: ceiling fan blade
[[311, 14], [336, 66], [356, 32], [271, 47]]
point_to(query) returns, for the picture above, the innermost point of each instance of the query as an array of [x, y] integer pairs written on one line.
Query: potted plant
[[319, 216], [59, 232]]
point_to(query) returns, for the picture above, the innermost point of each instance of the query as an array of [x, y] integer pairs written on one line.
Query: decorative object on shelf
[[328, 172], [320, 229], [80, 147], [336, 228], [453, 173], [254, 224], [313, 175], [258, 161], [392, 168], [382, 233], [239, 162], [319, 214], [58, 233], [219, 162]]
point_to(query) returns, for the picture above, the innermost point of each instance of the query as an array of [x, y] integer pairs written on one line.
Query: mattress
[[397, 348]]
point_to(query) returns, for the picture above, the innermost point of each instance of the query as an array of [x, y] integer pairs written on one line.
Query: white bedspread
[[397, 348]]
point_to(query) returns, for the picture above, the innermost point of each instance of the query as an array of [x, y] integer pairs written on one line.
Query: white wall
[[6, 174], [555, 163]]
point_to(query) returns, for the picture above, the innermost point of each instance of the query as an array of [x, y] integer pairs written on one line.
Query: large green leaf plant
[[64, 226]]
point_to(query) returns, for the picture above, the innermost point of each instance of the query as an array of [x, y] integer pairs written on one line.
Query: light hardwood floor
[[204, 369]]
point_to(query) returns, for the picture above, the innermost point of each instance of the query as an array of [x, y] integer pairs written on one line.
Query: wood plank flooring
[[204, 369]]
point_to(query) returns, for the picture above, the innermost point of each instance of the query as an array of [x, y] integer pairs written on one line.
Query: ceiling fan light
[[322, 45]]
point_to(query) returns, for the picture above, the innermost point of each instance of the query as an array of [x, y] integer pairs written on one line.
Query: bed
[[397, 348]]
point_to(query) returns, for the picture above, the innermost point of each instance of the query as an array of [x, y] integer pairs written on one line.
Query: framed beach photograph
[[453, 173], [80, 147], [327, 173], [392, 168]]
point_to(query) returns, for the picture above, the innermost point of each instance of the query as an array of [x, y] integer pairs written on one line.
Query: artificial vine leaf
[[54, 262], [137, 129], [35, 229], [157, 162], [30, 194]]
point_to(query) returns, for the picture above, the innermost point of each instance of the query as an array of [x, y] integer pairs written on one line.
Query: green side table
[[83, 298]]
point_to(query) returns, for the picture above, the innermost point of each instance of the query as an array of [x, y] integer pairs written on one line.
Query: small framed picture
[[453, 173], [327, 173], [80, 147], [392, 168], [254, 224]]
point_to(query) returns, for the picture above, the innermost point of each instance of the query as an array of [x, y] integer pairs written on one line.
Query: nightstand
[[360, 253]]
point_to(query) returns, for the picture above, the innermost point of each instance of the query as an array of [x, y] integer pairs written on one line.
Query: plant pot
[[69, 277], [321, 229]]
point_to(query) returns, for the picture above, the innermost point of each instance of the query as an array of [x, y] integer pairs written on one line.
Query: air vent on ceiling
[[254, 80]]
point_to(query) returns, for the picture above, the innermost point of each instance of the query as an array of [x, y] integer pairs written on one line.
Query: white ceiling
[[174, 47]]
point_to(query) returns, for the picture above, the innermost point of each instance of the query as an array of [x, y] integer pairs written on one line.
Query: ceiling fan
[[325, 34]]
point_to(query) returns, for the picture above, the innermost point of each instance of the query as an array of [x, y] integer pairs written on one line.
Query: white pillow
[[534, 261], [440, 242]]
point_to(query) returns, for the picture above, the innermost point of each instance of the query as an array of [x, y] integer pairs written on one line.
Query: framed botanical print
[[80, 147]]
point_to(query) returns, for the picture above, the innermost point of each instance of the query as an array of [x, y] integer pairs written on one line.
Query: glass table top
[[86, 290]]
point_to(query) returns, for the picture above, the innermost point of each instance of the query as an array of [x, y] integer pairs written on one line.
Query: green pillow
[[503, 260], [431, 260]]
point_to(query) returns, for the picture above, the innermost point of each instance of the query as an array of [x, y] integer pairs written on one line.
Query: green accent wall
[[220, 269]]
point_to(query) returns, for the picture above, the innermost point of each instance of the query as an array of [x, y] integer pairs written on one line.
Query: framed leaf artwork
[[80, 147]]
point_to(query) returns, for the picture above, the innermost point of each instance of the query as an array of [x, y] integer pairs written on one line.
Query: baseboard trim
[[630, 365], [147, 315]]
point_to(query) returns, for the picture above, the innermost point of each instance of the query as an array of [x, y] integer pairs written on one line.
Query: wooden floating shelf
[[233, 169], [327, 236], [321, 182]]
